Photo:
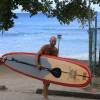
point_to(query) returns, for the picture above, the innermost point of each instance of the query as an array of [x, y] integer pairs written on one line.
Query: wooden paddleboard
[[73, 73]]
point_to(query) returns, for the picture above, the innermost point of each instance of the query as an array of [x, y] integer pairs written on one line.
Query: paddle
[[55, 71]]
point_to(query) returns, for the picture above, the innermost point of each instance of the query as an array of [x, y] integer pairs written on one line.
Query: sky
[[95, 7]]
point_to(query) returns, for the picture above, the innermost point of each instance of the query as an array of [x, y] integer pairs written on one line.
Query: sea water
[[30, 33]]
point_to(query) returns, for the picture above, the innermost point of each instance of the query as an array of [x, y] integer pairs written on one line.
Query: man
[[48, 49]]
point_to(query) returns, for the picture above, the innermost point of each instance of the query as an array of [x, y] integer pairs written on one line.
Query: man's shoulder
[[46, 45]]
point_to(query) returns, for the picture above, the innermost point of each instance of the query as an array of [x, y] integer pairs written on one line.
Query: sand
[[20, 87]]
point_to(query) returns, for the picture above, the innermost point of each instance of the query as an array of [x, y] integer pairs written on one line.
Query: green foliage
[[76, 9], [6, 15], [65, 11], [96, 1]]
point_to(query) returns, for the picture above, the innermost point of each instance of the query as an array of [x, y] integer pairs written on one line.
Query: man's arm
[[38, 58], [38, 63]]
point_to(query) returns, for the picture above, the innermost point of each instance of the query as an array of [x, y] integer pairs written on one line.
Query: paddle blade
[[56, 72]]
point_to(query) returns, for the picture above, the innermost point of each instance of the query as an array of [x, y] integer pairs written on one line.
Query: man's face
[[52, 41]]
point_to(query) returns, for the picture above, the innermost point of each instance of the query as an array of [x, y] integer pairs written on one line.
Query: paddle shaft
[[26, 63], [55, 71]]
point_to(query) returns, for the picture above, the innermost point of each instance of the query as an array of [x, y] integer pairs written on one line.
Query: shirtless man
[[47, 49]]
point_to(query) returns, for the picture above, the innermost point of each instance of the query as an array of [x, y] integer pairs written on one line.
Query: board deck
[[73, 73]]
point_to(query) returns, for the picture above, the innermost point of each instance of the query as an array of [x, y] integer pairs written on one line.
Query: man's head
[[52, 40]]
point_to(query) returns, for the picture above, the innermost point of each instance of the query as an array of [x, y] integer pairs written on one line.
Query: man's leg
[[45, 90]]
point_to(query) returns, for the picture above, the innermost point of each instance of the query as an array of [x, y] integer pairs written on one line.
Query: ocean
[[30, 33]]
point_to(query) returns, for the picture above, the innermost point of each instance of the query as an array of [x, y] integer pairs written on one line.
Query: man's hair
[[52, 38]]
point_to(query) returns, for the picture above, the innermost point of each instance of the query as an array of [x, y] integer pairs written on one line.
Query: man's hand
[[39, 66]]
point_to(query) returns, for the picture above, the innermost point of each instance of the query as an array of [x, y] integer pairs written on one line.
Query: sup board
[[57, 70]]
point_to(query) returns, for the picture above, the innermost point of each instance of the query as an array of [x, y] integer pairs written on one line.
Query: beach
[[21, 87], [28, 35]]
